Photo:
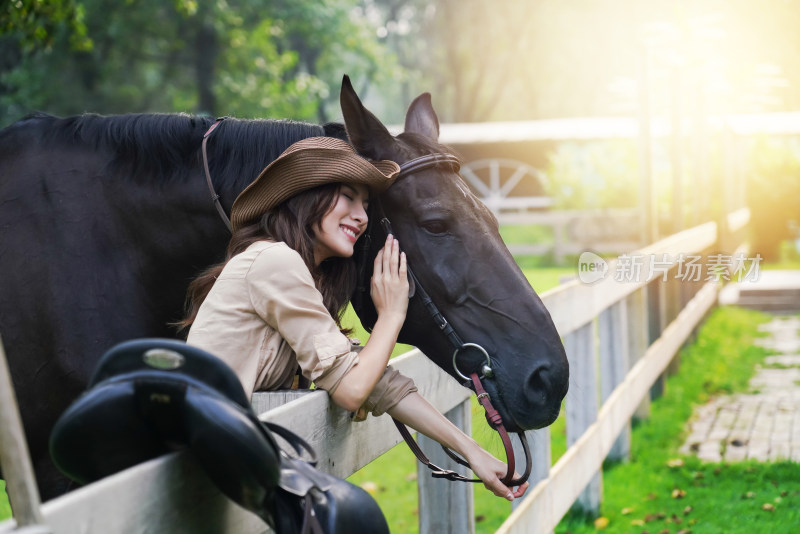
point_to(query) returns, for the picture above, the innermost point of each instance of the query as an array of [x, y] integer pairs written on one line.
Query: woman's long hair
[[292, 222]]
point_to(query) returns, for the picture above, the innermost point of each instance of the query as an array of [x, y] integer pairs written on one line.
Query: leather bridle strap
[[495, 420], [214, 195], [436, 471], [427, 161]]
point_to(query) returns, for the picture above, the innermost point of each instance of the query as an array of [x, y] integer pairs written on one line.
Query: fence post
[[612, 325], [559, 241], [655, 325], [673, 308], [637, 339], [541, 458], [445, 507], [582, 399], [15, 459]]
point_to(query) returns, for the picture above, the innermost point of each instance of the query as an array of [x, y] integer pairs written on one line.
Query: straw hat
[[306, 164]]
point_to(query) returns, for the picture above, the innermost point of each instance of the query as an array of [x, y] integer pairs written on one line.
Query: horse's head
[[453, 246]]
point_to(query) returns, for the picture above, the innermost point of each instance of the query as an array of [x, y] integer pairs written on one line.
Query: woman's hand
[[389, 288], [389, 291], [422, 416], [490, 470]]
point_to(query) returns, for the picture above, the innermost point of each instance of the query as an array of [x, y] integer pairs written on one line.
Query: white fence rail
[[171, 494], [574, 231]]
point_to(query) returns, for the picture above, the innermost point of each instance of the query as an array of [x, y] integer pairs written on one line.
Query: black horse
[[105, 220]]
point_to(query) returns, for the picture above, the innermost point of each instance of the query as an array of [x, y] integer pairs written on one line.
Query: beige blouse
[[265, 318]]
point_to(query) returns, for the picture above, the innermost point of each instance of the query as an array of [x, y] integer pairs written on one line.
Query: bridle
[[214, 195], [459, 346], [427, 161]]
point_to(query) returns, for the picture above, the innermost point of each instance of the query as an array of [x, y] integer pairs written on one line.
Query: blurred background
[[596, 125], [651, 115]]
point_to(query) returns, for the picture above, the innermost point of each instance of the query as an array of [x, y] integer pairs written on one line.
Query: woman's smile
[[340, 228], [351, 232]]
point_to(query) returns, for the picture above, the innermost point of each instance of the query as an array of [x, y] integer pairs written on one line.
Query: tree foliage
[[517, 59], [233, 57], [36, 23]]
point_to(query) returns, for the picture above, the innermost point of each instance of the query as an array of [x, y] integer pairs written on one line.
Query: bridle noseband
[[459, 346]]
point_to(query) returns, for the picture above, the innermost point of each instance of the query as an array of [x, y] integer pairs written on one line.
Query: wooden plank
[[581, 403], [547, 503], [539, 442], [637, 340], [264, 401], [446, 507], [612, 326], [14, 457], [350, 446], [175, 496], [532, 249], [655, 326], [557, 217], [168, 494], [574, 304]]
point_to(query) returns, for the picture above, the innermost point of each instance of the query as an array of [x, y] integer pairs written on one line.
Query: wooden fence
[[620, 336], [614, 231], [632, 327]]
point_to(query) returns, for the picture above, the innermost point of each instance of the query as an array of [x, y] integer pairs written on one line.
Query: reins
[[458, 345], [214, 195]]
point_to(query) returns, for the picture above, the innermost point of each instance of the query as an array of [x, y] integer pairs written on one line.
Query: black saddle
[[149, 397]]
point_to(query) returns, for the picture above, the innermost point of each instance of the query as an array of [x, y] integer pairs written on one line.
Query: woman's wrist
[[391, 319], [469, 449]]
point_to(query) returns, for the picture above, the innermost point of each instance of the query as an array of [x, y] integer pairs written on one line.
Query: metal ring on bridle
[[486, 370]]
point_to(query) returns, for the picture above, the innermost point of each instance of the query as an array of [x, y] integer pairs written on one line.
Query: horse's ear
[[367, 134], [421, 118]]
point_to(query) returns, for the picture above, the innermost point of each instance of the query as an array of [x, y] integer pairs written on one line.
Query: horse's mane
[[167, 146]]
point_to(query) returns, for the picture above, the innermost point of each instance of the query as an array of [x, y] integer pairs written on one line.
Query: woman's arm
[[389, 292], [416, 412]]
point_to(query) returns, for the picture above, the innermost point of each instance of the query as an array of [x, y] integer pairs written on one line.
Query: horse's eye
[[435, 227]]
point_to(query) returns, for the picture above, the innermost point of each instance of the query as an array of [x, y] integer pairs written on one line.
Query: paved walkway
[[765, 424]]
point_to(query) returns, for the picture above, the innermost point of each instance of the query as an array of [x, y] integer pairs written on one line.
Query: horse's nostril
[[538, 384], [543, 385]]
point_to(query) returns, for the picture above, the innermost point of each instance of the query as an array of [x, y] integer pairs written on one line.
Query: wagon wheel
[[495, 178]]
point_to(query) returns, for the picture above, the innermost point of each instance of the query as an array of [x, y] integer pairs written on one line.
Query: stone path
[[765, 424]]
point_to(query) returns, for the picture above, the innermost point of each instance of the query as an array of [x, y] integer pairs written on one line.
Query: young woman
[[272, 309]]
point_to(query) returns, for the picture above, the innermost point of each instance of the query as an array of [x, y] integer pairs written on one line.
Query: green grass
[[5, 507], [646, 493], [523, 234], [545, 278], [789, 258]]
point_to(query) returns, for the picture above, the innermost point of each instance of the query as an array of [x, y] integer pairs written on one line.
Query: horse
[[106, 219]]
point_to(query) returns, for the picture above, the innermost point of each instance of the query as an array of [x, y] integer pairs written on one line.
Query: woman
[[272, 309]]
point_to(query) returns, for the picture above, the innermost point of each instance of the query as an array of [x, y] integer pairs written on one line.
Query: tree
[[534, 59], [232, 57]]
